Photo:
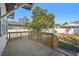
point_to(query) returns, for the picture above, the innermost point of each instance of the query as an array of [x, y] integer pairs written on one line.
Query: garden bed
[[68, 45]]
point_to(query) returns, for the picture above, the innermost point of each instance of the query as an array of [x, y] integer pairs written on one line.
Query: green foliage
[[65, 23], [41, 19], [69, 46], [25, 20]]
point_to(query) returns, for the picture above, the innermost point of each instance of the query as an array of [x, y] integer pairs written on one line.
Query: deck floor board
[[27, 47]]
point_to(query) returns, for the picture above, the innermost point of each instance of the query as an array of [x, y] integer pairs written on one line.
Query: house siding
[[68, 31], [3, 28]]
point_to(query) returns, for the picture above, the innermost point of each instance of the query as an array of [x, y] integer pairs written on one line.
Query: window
[[0, 28], [0, 11], [0, 22], [4, 26]]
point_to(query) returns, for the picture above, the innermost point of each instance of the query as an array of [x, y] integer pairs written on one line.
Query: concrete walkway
[[28, 47]]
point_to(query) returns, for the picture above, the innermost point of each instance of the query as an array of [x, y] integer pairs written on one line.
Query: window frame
[[0, 22]]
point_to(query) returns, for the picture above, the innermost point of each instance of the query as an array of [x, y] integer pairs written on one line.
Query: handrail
[[20, 31]]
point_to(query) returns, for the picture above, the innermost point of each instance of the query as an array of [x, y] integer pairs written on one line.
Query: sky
[[64, 12]]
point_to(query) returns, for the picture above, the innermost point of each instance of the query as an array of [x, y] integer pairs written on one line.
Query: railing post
[[20, 35], [9, 36], [54, 41], [27, 33]]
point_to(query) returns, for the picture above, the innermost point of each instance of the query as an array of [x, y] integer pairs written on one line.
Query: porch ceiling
[[10, 6]]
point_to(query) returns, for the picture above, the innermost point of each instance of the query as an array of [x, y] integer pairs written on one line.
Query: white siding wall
[[2, 43], [60, 30], [3, 37], [74, 31], [64, 30]]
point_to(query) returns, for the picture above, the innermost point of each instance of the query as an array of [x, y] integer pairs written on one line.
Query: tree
[[25, 20], [41, 19], [65, 23]]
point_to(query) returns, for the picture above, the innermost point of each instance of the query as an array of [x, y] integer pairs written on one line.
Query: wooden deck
[[27, 47]]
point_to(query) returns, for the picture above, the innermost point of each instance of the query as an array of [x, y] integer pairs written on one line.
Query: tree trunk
[[37, 35]]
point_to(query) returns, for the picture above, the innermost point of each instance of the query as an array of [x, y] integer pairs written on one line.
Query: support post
[[9, 36], [54, 41]]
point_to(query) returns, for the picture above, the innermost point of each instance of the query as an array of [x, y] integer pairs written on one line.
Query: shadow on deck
[[27, 47]]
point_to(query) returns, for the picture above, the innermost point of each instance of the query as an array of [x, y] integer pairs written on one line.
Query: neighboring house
[[58, 28], [71, 28], [5, 9]]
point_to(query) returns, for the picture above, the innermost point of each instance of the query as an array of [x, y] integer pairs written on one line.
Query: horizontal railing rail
[[13, 35]]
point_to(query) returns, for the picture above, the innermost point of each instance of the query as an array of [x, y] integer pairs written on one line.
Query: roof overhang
[[70, 25], [11, 6]]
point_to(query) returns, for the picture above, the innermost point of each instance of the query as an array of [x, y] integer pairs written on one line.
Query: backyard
[[43, 19], [69, 42]]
